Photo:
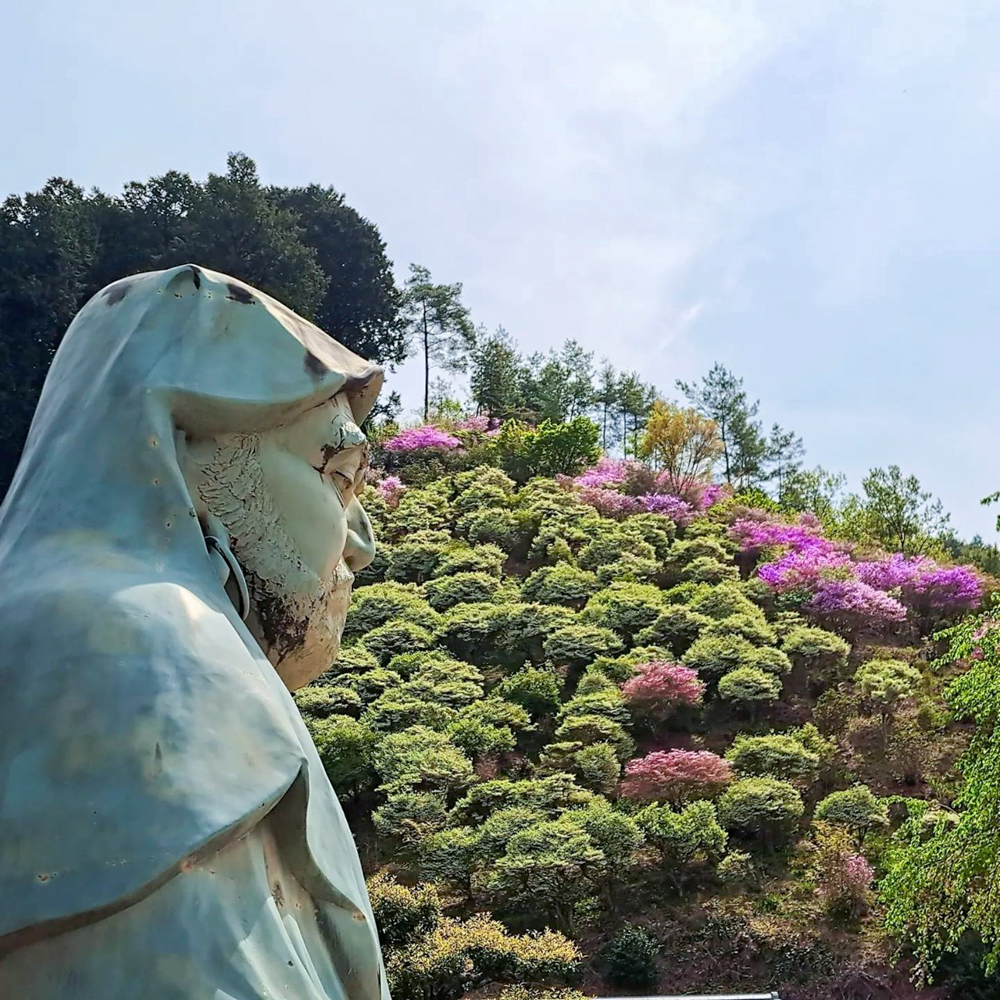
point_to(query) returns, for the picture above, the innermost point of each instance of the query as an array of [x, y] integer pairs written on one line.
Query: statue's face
[[288, 500]]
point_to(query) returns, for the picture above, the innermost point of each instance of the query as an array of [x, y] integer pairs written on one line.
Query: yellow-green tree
[[682, 443]]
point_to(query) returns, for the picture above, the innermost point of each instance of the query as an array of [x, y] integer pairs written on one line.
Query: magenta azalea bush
[[659, 687], [675, 776], [854, 594], [390, 489], [426, 438]]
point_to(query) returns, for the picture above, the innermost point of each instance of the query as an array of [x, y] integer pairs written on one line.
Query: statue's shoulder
[[138, 727]]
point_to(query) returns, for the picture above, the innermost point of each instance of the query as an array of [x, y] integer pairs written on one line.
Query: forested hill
[[672, 721], [675, 729]]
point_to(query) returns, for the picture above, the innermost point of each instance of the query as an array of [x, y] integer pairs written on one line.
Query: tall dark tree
[[304, 245], [721, 397], [636, 400], [361, 304], [436, 319], [606, 399], [495, 373], [782, 459]]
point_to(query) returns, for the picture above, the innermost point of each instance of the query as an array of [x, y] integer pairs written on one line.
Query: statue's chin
[[309, 642]]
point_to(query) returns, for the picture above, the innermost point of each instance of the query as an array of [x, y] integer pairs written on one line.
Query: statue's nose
[[359, 549]]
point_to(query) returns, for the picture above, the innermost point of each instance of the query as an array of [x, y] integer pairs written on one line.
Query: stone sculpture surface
[[166, 827]]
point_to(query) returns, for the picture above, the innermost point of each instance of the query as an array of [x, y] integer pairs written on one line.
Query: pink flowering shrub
[[679, 511], [675, 776], [480, 423], [659, 687], [850, 606], [845, 887], [426, 438], [391, 489], [607, 472], [609, 502]]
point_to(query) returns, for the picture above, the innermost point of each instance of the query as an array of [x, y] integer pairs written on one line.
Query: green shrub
[[419, 510], [722, 601], [700, 547], [816, 650], [486, 728], [397, 709], [374, 606], [885, 683], [446, 681], [578, 645], [627, 608], [776, 756], [713, 656], [559, 584], [496, 525], [614, 834], [497, 829], [656, 529], [596, 766], [748, 687], [546, 869], [321, 700], [483, 476], [421, 756], [629, 959], [372, 683], [457, 957], [551, 449], [621, 668], [705, 569], [524, 631], [346, 747], [408, 664], [402, 915], [609, 704], [738, 870], [857, 808], [761, 807], [611, 546], [628, 569], [536, 690], [676, 627], [396, 637], [467, 630], [462, 588], [772, 661], [753, 628], [588, 729], [408, 817], [484, 496], [450, 855], [682, 836], [685, 593], [488, 559], [414, 560], [550, 795]]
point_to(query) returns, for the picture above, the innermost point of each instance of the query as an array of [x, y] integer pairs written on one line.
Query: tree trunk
[[427, 369]]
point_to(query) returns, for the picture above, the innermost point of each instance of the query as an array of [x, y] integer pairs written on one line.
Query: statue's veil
[[140, 725]]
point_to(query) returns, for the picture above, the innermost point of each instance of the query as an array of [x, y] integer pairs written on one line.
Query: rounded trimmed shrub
[[487, 559], [578, 645], [713, 656], [776, 756], [761, 807], [462, 588], [753, 628], [676, 627], [396, 637], [560, 584], [748, 687]]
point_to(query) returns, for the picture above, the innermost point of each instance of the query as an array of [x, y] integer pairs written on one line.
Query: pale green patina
[[166, 827]]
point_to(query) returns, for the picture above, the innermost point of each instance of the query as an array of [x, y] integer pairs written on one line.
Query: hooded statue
[[176, 554]]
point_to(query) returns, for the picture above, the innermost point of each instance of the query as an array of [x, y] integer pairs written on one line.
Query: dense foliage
[[574, 699]]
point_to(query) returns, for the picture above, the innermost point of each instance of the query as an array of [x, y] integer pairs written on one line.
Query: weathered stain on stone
[[196, 277], [116, 292], [314, 366], [239, 294]]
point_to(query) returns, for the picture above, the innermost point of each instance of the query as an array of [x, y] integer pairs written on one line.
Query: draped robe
[[167, 830]]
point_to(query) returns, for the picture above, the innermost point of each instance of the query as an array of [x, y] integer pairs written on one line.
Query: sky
[[803, 190]]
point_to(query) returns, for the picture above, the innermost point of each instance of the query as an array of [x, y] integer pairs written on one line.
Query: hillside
[[670, 728]]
